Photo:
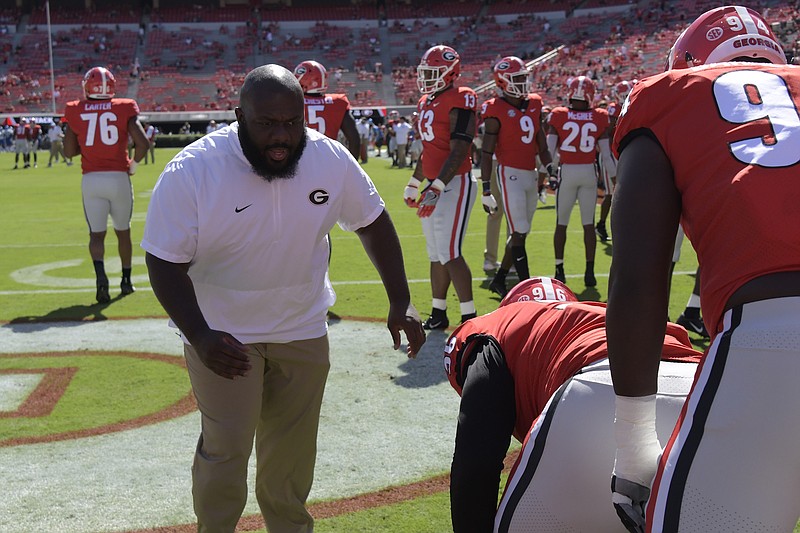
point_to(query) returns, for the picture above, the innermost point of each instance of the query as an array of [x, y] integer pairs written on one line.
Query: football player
[[513, 134], [576, 132], [536, 369], [99, 125], [621, 91], [698, 143], [446, 125], [22, 143], [327, 113]]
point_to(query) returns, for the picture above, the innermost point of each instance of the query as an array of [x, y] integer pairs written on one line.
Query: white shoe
[[489, 266], [543, 196]]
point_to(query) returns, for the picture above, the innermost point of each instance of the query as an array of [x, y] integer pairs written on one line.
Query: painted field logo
[[67, 395]]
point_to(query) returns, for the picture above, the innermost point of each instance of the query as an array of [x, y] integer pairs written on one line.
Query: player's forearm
[[458, 152]]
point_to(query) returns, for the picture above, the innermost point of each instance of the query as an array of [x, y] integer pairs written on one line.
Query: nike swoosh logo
[[240, 209]]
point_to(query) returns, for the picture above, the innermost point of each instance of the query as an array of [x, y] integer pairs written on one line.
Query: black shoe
[[589, 280], [560, 274], [468, 316], [498, 287], [695, 325], [126, 286], [600, 229], [436, 321], [102, 295]]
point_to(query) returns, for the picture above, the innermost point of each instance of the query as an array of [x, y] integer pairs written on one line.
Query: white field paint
[[386, 420]]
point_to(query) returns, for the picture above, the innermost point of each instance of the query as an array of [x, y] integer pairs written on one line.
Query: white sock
[[440, 303], [468, 308]]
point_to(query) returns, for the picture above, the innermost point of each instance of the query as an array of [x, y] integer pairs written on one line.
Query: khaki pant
[[277, 403], [494, 222]]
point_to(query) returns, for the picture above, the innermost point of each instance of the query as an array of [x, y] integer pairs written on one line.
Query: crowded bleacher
[[191, 55]]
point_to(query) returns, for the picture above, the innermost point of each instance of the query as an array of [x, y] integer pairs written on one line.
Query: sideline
[[380, 413]]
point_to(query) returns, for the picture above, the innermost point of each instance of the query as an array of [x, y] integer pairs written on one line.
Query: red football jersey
[[22, 131], [325, 113], [544, 344], [102, 130], [731, 132], [433, 126], [613, 110], [516, 141], [578, 132]]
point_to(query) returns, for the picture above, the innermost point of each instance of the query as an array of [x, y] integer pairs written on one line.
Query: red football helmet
[[622, 90], [312, 76], [98, 84], [539, 290], [581, 88], [512, 76], [438, 68], [724, 34]]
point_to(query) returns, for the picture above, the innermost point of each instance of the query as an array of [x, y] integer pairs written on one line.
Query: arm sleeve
[[485, 424]]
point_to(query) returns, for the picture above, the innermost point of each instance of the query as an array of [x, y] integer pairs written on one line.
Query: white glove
[[132, 168], [489, 203], [411, 192], [636, 460], [430, 196]]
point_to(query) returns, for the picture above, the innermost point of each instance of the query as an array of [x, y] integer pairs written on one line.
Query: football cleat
[[498, 287], [102, 295], [695, 325], [437, 320], [490, 266], [560, 274], [600, 229], [126, 287]]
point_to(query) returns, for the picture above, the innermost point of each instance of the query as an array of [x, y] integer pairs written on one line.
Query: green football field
[[46, 273], [46, 276]]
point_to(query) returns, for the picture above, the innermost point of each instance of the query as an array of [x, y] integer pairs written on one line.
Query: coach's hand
[[431, 194], [222, 353], [409, 321], [411, 192]]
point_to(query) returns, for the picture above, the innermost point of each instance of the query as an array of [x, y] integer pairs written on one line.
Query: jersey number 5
[[747, 96], [109, 133], [316, 121]]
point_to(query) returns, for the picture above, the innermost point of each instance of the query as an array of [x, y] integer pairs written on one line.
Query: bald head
[[267, 81]]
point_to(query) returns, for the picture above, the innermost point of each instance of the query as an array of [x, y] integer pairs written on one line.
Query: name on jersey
[[325, 100], [101, 106], [580, 115]]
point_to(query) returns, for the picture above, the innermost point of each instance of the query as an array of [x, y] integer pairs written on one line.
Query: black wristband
[[487, 187]]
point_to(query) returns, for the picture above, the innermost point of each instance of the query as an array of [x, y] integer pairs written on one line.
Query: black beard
[[260, 162]]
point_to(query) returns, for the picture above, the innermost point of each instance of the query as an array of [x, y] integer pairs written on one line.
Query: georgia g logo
[[300, 70], [449, 56], [503, 65], [319, 196]]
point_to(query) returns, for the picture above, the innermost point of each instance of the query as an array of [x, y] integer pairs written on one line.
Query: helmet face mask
[[99, 84], [313, 77], [512, 76], [622, 90], [438, 69], [725, 34]]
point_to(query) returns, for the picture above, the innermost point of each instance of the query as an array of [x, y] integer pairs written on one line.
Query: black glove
[[629, 499]]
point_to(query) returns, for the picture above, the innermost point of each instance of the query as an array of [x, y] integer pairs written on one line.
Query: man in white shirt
[[401, 131], [56, 136], [237, 250]]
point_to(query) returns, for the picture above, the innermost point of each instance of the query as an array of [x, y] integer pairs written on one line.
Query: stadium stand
[[190, 55]]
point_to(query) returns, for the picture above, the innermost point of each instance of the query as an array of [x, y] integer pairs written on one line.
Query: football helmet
[[99, 84], [512, 76], [724, 34], [581, 88], [539, 289], [438, 69], [312, 76], [622, 90]]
